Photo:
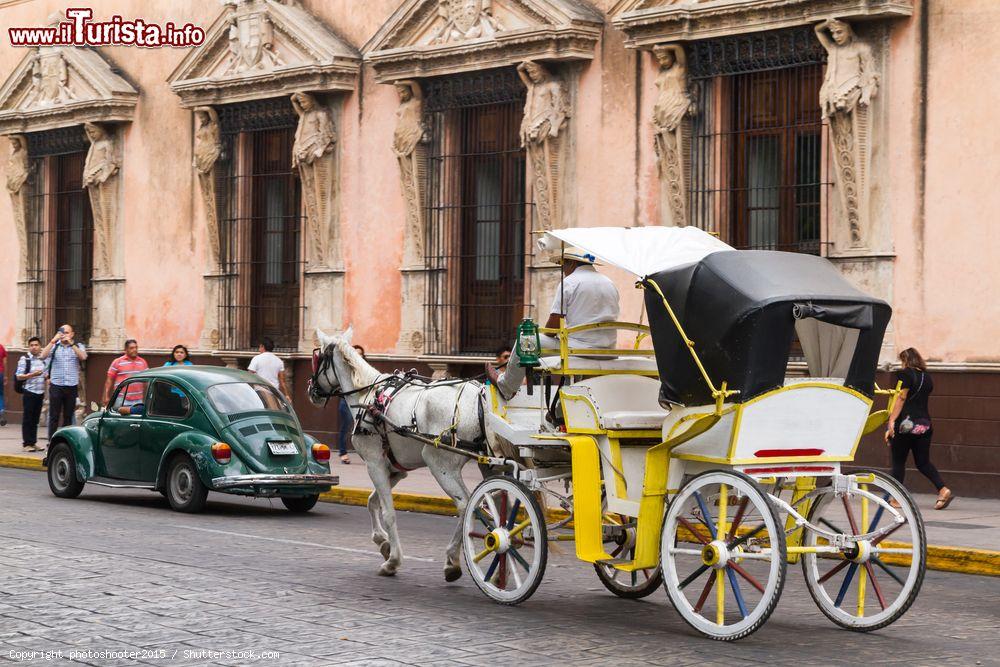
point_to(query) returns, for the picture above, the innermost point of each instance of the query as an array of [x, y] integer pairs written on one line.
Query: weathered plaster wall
[[950, 308]]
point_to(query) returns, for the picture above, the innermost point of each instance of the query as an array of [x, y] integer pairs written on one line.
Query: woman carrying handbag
[[909, 427]]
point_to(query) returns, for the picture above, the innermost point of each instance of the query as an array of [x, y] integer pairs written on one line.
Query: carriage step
[[614, 562]]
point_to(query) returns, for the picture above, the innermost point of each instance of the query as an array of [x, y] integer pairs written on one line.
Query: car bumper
[[317, 482]]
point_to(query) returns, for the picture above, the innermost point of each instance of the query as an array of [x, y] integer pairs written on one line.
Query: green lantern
[[528, 344]]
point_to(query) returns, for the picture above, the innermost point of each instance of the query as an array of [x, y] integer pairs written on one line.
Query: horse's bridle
[[322, 360]]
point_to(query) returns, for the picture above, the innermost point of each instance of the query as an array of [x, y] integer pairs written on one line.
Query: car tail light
[[221, 452], [321, 453]]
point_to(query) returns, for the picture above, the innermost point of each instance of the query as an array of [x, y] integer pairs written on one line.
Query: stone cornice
[[554, 43], [649, 22], [258, 49], [61, 86]]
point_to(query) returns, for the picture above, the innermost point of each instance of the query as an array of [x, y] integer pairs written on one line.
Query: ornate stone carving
[[543, 134], [264, 48], [436, 37], [49, 80], [207, 148], [100, 177], [55, 86], [251, 41], [649, 22], [313, 155], [18, 170], [408, 142], [673, 103], [848, 87], [466, 19]]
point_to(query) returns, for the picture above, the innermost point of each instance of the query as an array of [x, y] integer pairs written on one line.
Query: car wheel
[[62, 472], [185, 490], [300, 504]]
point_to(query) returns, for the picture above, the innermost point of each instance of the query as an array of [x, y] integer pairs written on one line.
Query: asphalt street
[[246, 582]]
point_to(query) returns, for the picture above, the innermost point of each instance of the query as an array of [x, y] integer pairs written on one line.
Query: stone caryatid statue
[[543, 132], [408, 143], [18, 170], [848, 87], [207, 149], [313, 155], [674, 102], [101, 172]]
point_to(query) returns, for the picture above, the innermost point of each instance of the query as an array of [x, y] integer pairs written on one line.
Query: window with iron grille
[[475, 212], [60, 232], [758, 163], [258, 197]]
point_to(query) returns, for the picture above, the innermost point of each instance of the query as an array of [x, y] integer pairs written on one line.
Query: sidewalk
[[968, 522]]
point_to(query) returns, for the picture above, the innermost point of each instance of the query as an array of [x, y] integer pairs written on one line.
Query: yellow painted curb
[[963, 560], [26, 462]]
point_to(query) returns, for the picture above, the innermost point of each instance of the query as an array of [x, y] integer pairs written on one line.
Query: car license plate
[[283, 448]]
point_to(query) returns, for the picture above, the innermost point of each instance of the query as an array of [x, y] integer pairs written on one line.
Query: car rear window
[[237, 397]]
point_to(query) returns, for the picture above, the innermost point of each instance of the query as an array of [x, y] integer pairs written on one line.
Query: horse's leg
[[381, 476], [447, 470], [369, 452]]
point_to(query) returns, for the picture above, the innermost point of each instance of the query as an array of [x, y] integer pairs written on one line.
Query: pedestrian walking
[[269, 366], [910, 428], [123, 368], [64, 356], [179, 356], [346, 420], [30, 380], [3, 382]]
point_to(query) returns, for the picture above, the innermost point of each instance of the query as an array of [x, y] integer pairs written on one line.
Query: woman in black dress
[[909, 428]]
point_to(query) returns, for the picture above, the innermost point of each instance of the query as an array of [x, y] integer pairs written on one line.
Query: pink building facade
[[384, 164]]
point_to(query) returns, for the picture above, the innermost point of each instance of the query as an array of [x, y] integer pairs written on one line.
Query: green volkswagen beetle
[[188, 430]]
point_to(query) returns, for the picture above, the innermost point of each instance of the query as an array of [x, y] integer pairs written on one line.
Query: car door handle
[[134, 425]]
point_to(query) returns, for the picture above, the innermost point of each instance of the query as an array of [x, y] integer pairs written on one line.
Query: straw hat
[[575, 254]]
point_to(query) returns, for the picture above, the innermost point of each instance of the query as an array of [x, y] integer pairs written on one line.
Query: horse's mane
[[362, 373]]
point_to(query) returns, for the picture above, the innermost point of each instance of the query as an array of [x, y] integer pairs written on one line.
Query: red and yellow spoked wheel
[[723, 555], [504, 540], [879, 573]]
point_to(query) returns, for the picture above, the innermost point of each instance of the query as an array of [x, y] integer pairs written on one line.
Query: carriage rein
[[373, 414]]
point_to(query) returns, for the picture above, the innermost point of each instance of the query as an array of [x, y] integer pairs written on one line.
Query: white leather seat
[[615, 402]]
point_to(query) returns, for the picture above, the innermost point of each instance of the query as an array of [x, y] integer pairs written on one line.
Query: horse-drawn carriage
[[698, 461]]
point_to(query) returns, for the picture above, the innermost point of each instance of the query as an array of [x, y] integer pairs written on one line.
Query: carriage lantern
[[528, 344]]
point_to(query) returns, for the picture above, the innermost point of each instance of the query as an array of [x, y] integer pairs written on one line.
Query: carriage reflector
[[789, 469], [771, 453]]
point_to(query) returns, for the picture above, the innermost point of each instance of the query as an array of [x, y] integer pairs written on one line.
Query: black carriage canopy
[[742, 309]]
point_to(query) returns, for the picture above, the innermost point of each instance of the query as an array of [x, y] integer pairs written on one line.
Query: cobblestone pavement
[[118, 571]]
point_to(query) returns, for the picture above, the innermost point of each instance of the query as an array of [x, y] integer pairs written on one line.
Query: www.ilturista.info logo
[[79, 30]]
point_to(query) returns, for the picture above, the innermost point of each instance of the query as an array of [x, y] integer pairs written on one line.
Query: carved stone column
[[409, 143], [18, 184], [673, 104], [544, 131], [102, 178], [849, 86], [207, 149]]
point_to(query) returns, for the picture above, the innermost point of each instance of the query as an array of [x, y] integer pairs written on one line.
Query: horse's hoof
[[387, 571], [453, 573], [385, 549]]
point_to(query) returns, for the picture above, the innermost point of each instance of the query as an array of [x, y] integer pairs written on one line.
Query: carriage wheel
[[631, 585], [504, 540], [723, 555], [875, 582]]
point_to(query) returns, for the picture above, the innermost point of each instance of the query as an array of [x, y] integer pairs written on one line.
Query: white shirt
[[267, 365], [589, 298]]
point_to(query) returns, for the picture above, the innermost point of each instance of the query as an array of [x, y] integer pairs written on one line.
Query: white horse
[[431, 409]]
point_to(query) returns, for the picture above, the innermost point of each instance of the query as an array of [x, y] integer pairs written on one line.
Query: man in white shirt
[[269, 366], [584, 297]]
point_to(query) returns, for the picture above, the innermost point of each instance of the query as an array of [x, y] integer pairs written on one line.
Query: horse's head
[[329, 368]]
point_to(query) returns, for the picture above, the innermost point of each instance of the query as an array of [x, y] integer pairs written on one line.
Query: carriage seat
[[602, 363], [613, 402], [799, 380]]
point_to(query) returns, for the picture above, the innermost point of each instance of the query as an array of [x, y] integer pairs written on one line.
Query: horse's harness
[[370, 418]]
